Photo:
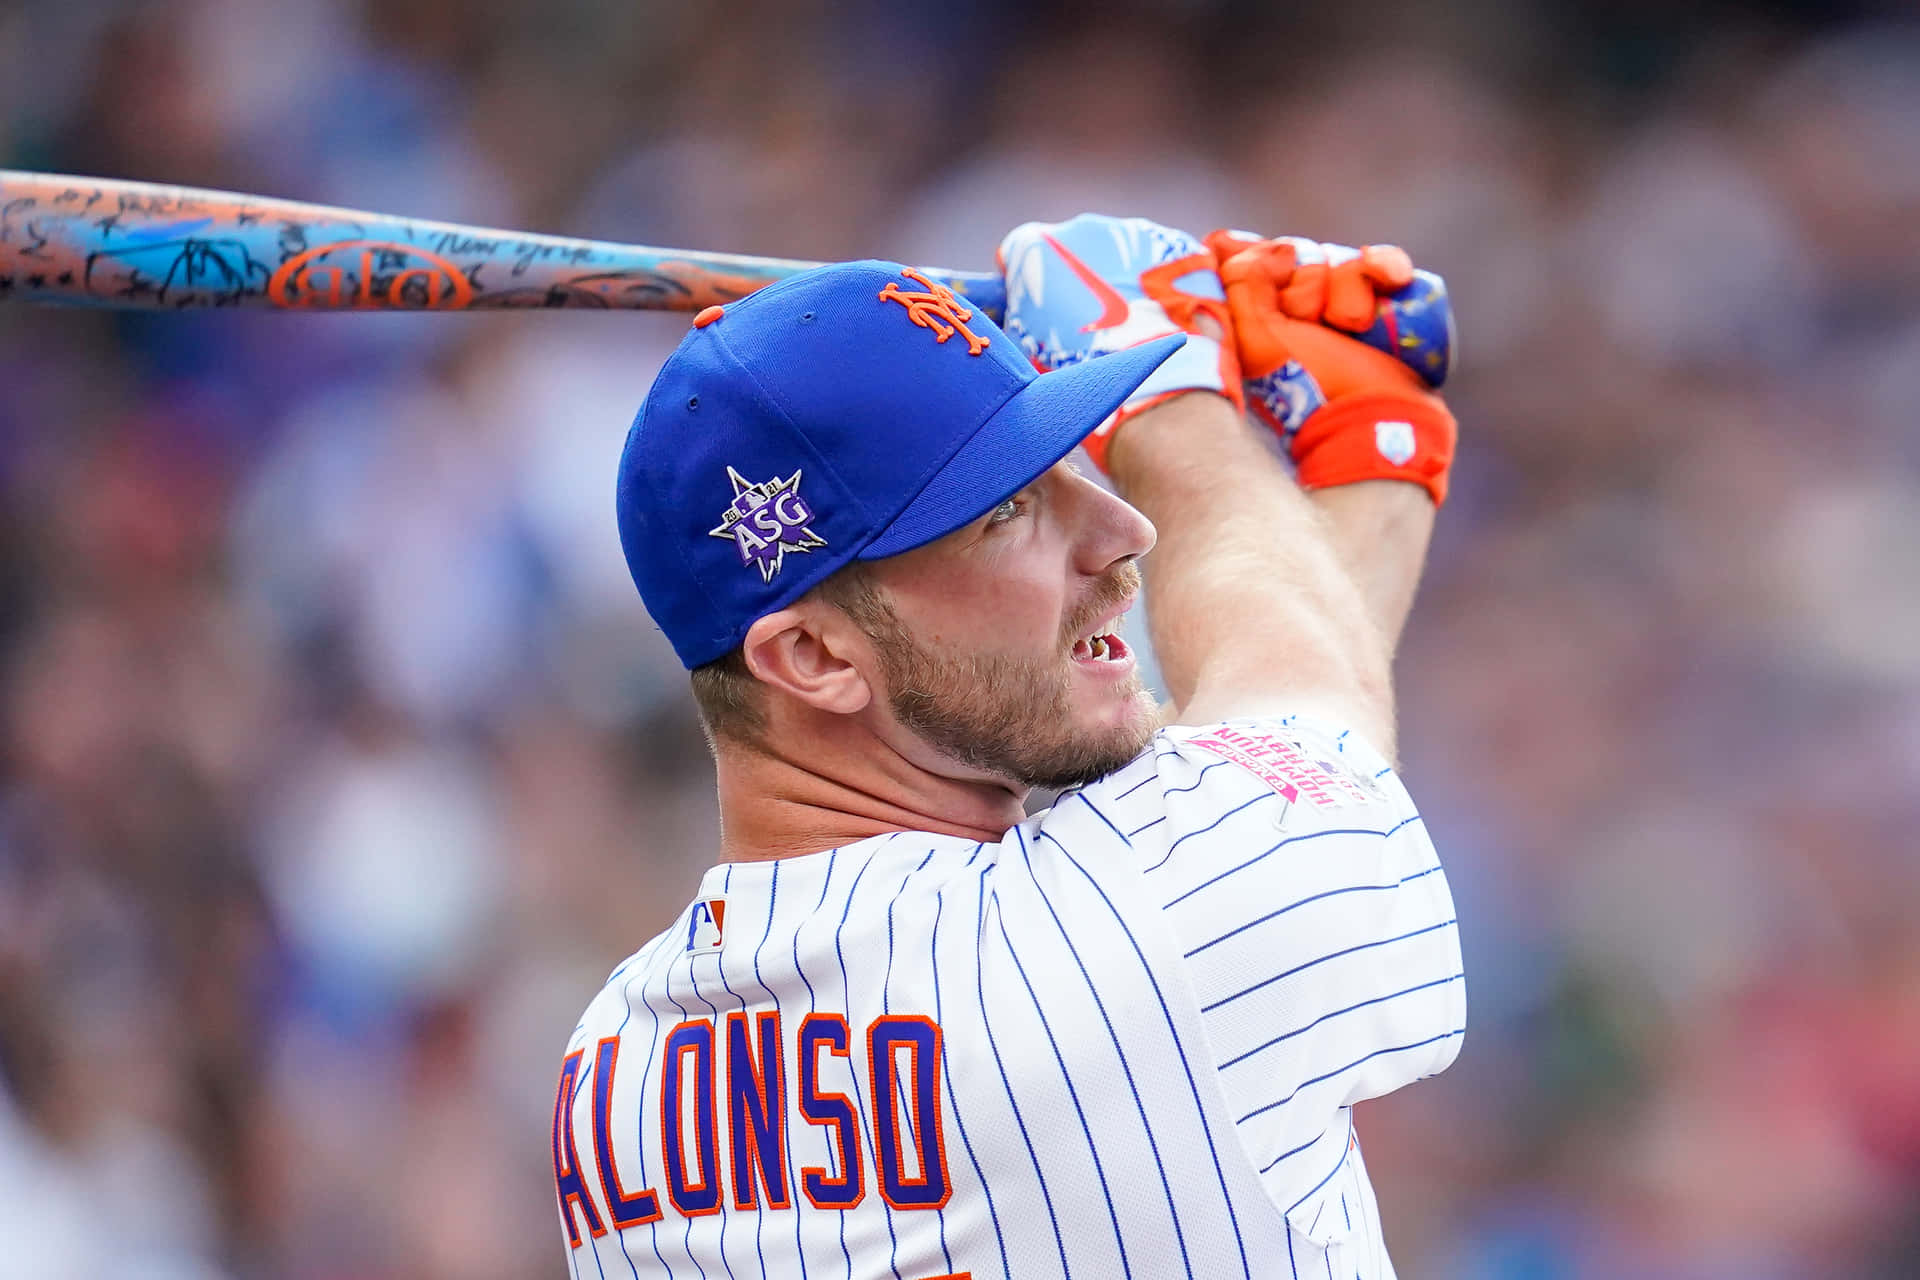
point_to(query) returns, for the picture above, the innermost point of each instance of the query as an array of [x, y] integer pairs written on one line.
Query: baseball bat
[[135, 245], [110, 243]]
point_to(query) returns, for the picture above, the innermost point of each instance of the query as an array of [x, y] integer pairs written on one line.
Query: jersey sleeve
[[1317, 929]]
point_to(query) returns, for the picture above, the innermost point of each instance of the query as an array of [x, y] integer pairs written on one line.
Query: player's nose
[[1109, 528]]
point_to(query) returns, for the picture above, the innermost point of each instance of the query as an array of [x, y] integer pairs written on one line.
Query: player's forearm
[[1380, 530], [1251, 608]]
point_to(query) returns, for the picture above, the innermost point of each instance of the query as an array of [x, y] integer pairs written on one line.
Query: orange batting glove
[[1345, 410]]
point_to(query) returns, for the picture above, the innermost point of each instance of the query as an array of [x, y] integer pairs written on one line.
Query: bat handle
[[1415, 326], [986, 290]]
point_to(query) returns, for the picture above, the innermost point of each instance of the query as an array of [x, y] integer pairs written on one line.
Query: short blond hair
[[731, 702]]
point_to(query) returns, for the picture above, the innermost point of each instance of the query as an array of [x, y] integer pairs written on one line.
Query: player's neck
[[781, 804]]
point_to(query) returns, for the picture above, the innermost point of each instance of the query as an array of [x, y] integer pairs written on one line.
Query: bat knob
[[1415, 327]]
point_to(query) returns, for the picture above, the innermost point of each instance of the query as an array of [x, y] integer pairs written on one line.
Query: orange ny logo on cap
[[936, 308]]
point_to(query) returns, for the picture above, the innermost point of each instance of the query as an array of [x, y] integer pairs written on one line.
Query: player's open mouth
[[1101, 647]]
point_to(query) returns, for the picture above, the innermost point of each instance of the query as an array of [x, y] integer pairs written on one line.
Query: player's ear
[[808, 653]]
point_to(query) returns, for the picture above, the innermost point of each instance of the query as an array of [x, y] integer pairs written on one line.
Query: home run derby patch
[[1297, 767], [766, 521]]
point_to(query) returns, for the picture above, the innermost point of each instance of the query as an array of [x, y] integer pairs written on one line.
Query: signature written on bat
[[189, 269], [525, 253]]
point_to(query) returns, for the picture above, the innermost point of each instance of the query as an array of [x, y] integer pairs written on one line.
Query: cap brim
[[1039, 425]]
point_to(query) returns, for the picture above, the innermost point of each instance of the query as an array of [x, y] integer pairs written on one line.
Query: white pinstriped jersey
[[1123, 1041]]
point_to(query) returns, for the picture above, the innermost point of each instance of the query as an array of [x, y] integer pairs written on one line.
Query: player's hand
[[1094, 284], [1345, 410]]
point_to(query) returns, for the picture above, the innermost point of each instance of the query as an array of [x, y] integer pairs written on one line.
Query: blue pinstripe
[[565, 1209], [593, 1245], [1331, 955], [1437, 982], [759, 1221], [1275, 848], [833, 862], [718, 1155], [1264, 795], [786, 1147], [886, 1006], [573, 1267], [1331, 1172], [719, 1030], [1311, 898], [1136, 786], [940, 1214], [1073, 1094], [886, 981], [626, 998], [1146, 1126], [1377, 1053], [846, 986], [939, 1015], [1195, 784], [980, 988], [666, 989], [1186, 1062], [639, 1123], [1287, 1155]]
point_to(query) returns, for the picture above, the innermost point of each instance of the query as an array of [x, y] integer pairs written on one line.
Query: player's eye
[[1006, 511]]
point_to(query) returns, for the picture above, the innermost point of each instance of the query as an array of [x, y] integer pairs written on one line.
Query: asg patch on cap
[[766, 521]]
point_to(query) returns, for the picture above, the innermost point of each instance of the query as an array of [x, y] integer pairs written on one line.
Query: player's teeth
[[1100, 648]]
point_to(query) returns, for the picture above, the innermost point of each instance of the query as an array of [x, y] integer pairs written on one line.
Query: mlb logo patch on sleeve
[[705, 925], [1286, 765]]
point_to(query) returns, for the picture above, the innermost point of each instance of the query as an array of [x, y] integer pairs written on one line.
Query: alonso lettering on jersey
[[737, 1074]]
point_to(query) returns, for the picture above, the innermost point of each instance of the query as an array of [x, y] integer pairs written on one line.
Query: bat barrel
[[105, 243]]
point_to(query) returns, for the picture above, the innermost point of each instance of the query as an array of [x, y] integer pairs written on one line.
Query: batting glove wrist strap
[[1197, 370], [1377, 436]]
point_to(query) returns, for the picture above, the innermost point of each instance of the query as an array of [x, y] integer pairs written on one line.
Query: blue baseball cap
[[850, 412]]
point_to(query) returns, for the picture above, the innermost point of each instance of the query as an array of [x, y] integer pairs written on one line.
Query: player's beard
[[1013, 715]]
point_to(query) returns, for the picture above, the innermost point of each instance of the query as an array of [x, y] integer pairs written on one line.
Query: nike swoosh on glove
[[1094, 284]]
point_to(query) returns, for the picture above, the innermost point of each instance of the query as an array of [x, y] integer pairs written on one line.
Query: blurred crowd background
[[339, 762]]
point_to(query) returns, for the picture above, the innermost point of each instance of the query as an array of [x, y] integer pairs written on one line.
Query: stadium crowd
[[341, 763]]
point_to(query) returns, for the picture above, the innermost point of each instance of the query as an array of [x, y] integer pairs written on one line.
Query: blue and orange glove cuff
[[1377, 436]]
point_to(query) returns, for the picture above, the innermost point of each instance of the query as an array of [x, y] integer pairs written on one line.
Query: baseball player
[[903, 1029]]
